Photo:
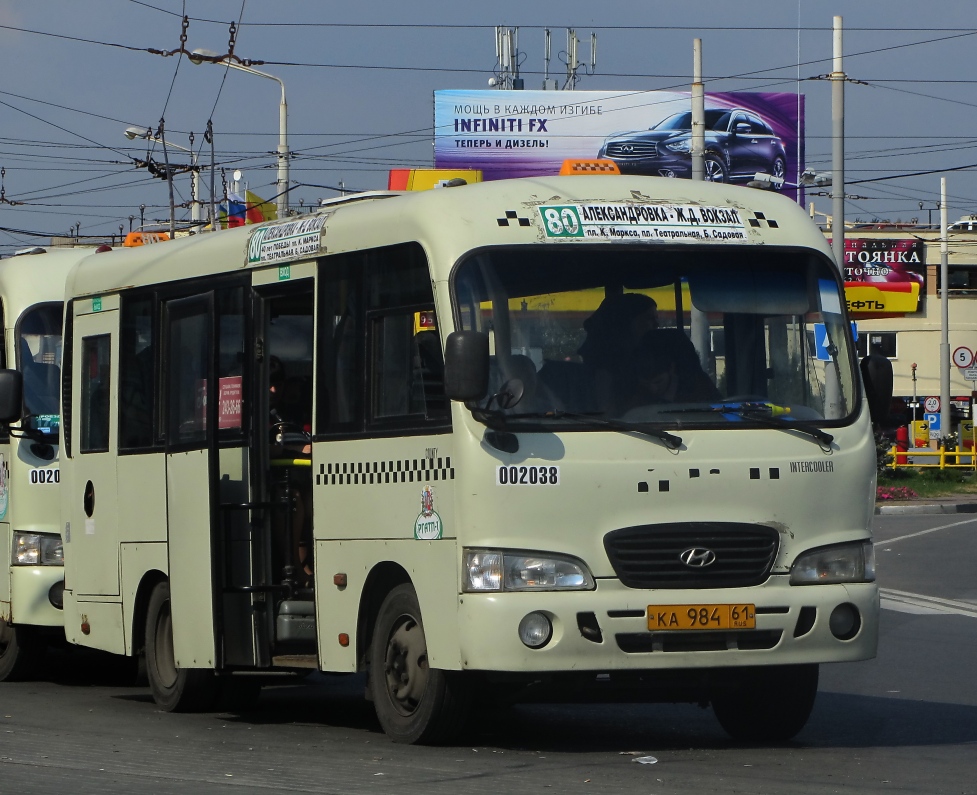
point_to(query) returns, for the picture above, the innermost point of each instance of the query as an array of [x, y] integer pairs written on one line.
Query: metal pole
[[169, 180], [195, 190], [838, 151], [945, 429], [698, 320], [213, 195], [698, 114], [283, 157]]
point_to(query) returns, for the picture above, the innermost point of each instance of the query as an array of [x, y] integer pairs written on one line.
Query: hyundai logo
[[698, 557]]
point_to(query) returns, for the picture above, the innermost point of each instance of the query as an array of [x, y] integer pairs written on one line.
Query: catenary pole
[[838, 149], [945, 429], [698, 320], [698, 114]]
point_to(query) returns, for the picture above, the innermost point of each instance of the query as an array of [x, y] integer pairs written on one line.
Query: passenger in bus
[[291, 440], [613, 332], [666, 369]]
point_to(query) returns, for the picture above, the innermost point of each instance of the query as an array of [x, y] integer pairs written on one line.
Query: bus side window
[[406, 363], [136, 374], [340, 333], [95, 359]]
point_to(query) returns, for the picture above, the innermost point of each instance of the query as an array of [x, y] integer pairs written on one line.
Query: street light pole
[[282, 151]]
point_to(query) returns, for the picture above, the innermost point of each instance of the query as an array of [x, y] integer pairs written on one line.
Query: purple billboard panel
[[530, 133]]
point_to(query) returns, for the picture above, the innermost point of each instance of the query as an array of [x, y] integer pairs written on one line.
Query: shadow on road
[[840, 720]]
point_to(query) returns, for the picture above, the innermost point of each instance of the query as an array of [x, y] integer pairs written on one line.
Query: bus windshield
[[730, 337], [39, 352]]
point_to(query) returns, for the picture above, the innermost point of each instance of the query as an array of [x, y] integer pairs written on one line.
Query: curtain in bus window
[[96, 367]]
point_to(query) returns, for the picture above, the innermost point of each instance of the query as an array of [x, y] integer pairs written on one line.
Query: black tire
[[779, 170], [414, 703], [19, 652], [715, 169], [767, 704], [174, 689]]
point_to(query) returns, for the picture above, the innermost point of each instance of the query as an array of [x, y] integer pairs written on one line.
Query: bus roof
[[451, 221], [34, 278]]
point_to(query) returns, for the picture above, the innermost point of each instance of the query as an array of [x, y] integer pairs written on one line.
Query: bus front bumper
[[607, 629], [34, 593]]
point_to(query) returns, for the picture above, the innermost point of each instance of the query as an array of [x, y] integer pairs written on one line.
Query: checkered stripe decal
[[759, 219], [512, 215], [595, 167], [379, 473]]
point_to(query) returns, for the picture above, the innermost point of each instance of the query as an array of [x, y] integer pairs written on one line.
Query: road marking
[[882, 543], [918, 604]]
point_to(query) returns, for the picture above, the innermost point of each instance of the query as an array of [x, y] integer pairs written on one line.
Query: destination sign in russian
[[287, 240], [661, 222]]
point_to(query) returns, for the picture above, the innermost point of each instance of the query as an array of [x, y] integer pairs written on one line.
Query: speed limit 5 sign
[[963, 357]]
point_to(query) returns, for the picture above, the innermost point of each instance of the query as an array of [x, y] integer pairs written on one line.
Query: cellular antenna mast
[[573, 60], [507, 57]]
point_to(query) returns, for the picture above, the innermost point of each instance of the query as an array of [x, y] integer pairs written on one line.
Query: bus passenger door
[[92, 496], [191, 457]]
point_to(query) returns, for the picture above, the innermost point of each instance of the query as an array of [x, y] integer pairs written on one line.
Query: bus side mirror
[[466, 365], [877, 377], [11, 395]]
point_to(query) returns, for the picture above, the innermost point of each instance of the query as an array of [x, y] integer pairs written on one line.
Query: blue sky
[[360, 79]]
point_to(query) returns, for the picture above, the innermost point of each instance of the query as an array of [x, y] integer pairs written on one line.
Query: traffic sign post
[[931, 405]]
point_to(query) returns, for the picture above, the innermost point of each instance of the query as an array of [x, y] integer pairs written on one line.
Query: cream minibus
[[575, 438], [31, 570]]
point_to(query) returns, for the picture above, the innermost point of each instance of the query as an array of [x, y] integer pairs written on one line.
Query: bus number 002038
[[41, 476], [527, 475]]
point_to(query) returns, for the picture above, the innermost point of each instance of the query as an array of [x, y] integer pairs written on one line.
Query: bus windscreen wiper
[[768, 414], [672, 441]]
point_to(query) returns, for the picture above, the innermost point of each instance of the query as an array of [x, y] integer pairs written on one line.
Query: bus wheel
[[414, 703], [767, 704], [18, 653], [174, 689]]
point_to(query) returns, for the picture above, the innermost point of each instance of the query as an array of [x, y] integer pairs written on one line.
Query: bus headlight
[[37, 549], [499, 570], [835, 564]]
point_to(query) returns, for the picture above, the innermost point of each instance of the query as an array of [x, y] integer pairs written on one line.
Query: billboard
[[884, 276], [530, 133]]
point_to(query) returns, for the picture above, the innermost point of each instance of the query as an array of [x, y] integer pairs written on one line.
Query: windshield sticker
[[527, 476], [286, 241], [661, 222], [830, 300], [428, 526]]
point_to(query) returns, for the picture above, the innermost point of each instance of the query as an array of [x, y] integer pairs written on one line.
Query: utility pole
[[698, 320], [945, 429], [838, 78], [698, 114]]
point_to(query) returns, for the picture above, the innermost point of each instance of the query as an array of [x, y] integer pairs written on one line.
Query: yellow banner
[[893, 298]]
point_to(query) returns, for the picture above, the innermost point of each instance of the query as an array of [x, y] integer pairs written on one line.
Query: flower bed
[[895, 493]]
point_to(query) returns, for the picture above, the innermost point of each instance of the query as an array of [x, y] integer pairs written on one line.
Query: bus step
[[296, 661], [296, 621]]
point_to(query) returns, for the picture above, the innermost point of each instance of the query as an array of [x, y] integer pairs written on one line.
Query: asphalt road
[[905, 722]]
